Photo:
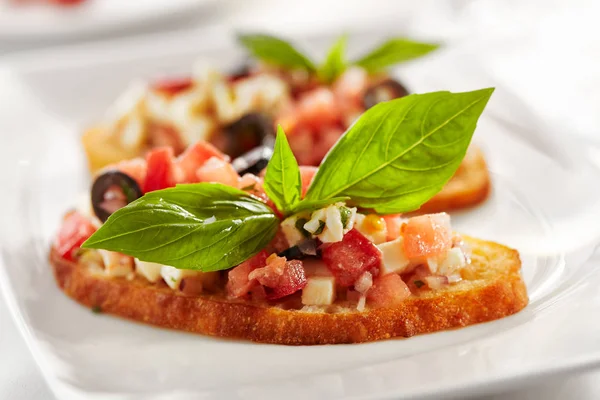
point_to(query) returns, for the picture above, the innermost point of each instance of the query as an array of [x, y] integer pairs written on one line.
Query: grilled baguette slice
[[494, 289], [468, 187]]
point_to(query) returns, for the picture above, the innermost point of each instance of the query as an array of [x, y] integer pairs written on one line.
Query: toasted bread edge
[[139, 300]]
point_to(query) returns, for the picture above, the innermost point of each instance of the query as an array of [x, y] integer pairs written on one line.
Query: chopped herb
[[321, 228], [419, 284], [173, 279], [96, 309], [249, 187], [300, 226], [345, 215]]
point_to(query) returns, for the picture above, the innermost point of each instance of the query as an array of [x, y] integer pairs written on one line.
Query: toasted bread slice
[[493, 289], [469, 186]]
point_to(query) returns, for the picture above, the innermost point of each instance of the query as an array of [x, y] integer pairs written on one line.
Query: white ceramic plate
[[44, 21], [545, 207]]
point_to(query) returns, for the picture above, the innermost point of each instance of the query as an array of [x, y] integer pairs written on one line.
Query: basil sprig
[[394, 51], [400, 153], [279, 52], [202, 226], [276, 51], [282, 183], [393, 159]]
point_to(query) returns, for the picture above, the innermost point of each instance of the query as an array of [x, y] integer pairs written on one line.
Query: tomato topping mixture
[[74, 230], [160, 173], [387, 290], [348, 259], [427, 235], [239, 284], [280, 276], [194, 157]]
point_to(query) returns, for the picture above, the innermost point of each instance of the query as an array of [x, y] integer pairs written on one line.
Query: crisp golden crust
[[494, 290], [468, 187]]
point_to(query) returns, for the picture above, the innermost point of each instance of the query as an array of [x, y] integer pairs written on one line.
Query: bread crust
[[468, 187], [498, 292]]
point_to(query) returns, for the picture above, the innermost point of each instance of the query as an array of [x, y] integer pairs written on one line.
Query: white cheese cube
[[454, 260], [260, 92], [316, 219], [173, 276], [319, 291], [149, 270], [127, 102], [116, 264], [334, 230], [393, 258]]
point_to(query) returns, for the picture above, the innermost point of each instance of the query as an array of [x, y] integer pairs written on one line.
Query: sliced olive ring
[[386, 90], [254, 161], [113, 190], [308, 248], [248, 132]]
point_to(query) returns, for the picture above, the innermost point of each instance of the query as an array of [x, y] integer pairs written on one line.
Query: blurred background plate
[[23, 20]]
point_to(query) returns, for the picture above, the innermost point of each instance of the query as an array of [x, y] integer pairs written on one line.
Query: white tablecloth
[[546, 52]]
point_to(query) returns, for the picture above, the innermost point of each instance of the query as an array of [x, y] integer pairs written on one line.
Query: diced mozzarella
[[260, 92], [149, 270], [292, 234], [319, 291], [393, 260], [116, 264], [377, 236], [129, 100], [454, 260], [334, 230], [173, 276], [158, 107], [132, 130]]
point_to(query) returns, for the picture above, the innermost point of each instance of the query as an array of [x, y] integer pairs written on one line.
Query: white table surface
[[532, 46]]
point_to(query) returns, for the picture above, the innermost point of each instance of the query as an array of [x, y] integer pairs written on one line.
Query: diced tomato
[[172, 86], [393, 224], [318, 107], [348, 259], [160, 173], [281, 277], [427, 235], [238, 283], [67, 2], [194, 157], [74, 230], [279, 243], [307, 173], [136, 168], [218, 170], [387, 290]]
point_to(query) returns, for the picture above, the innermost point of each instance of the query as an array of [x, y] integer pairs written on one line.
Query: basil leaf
[[202, 226], [282, 183], [392, 52], [334, 63], [400, 153], [275, 51], [311, 205]]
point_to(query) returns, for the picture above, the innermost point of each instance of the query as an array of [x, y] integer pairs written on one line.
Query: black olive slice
[[248, 132], [386, 90], [113, 190], [305, 249], [253, 161]]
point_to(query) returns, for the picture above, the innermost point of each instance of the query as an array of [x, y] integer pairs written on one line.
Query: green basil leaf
[[334, 63], [392, 52], [400, 153], [275, 51], [282, 183], [311, 205], [202, 226]]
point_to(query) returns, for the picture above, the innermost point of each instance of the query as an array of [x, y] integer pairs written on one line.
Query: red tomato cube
[[196, 156], [74, 230], [387, 291], [427, 235], [160, 170], [238, 284], [349, 259]]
